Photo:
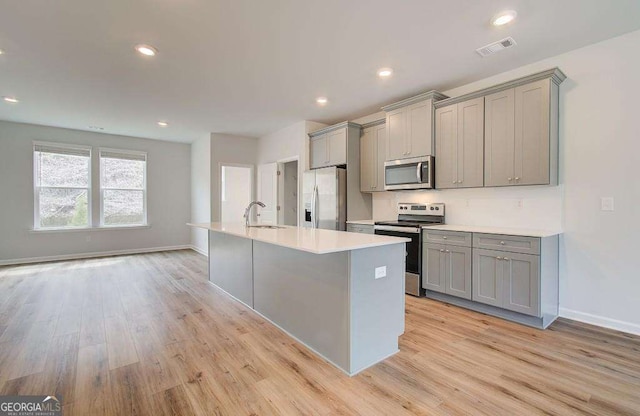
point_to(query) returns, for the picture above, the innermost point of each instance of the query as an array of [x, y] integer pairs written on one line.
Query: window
[[123, 188], [62, 186]]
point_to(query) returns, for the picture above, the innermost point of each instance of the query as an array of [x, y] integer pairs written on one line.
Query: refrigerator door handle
[[316, 217]]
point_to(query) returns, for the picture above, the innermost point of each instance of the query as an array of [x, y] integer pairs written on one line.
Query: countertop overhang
[[311, 240]]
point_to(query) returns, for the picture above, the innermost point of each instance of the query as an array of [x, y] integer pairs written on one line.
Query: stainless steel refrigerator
[[325, 198]]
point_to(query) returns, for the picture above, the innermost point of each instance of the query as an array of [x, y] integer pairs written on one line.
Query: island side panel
[[377, 305], [307, 295], [230, 265]]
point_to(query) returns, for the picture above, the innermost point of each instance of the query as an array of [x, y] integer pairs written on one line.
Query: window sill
[[88, 229]]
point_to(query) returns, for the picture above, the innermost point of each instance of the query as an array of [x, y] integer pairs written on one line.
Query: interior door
[[268, 193]]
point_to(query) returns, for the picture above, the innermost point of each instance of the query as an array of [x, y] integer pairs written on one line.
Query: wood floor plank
[[148, 335]]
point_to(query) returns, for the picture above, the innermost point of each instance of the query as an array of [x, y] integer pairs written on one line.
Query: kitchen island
[[341, 294]]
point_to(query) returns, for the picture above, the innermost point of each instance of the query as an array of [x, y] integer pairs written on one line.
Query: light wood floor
[[147, 335]]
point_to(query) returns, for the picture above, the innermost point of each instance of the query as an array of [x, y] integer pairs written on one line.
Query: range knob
[[437, 208], [431, 208]]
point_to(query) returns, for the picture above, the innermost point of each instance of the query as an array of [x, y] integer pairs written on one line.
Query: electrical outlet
[[519, 203], [381, 272], [606, 203]]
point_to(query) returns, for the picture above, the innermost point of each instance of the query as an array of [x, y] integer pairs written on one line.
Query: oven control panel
[[405, 208]]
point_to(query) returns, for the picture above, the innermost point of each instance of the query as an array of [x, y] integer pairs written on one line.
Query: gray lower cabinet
[[507, 280], [360, 228], [513, 277], [447, 269]]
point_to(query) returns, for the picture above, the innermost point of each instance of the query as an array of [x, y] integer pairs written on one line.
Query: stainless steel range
[[411, 219]]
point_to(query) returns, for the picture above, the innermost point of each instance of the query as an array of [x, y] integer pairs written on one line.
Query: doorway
[[288, 192], [236, 186]]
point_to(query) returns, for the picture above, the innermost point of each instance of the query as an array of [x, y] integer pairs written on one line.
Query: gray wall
[[168, 195]]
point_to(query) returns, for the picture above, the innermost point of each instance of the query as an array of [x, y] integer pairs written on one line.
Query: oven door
[[414, 173], [413, 283]]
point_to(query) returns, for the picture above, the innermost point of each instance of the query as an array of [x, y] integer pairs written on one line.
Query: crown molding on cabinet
[[429, 95], [373, 123], [555, 74], [334, 127]]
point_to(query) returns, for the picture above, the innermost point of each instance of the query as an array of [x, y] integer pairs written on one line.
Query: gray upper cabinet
[[373, 151], [329, 149], [459, 134], [409, 125], [319, 152], [532, 133], [499, 137], [520, 129], [337, 147]]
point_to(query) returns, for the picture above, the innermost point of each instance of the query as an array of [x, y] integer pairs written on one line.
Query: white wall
[[168, 196], [289, 142], [200, 192], [229, 149], [235, 192], [599, 148]]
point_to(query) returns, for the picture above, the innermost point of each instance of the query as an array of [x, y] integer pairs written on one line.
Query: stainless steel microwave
[[413, 173]]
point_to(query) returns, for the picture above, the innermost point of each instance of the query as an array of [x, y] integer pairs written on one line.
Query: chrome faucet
[[248, 210]]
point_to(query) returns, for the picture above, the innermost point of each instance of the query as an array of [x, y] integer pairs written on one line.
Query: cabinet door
[[532, 133], [499, 139], [419, 129], [396, 134], [337, 144], [522, 283], [367, 159], [380, 157], [470, 148], [458, 279], [434, 267], [488, 268], [319, 151], [446, 147]]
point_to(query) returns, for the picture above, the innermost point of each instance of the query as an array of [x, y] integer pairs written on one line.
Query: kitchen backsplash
[[538, 207]]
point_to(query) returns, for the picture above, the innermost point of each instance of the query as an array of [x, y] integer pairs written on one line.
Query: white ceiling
[[250, 67]]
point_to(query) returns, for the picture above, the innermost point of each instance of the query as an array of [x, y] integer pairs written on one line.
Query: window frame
[[37, 187], [145, 222]]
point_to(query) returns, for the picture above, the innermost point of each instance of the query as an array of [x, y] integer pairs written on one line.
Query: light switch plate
[[381, 272], [606, 203]]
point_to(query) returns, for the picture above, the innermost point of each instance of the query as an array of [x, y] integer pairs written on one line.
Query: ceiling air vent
[[494, 47]]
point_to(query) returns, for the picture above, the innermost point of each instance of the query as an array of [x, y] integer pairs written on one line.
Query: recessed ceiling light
[[385, 72], [504, 18], [163, 123], [11, 100], [146, 50], [96, 128], [322, 100], [1, 52]]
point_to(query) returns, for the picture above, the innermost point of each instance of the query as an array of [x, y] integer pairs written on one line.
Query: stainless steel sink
[[271, 227]]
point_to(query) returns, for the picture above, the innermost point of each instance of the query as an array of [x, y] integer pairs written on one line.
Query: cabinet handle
[[517, 178], [498, 258], [447, 251], [444, 237], [455, 182], [506, 259], [510, 179], [502, 242], [441, 250]]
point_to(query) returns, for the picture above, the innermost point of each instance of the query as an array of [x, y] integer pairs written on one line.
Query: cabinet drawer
[[455, 238], [512, 243], [360, 228]]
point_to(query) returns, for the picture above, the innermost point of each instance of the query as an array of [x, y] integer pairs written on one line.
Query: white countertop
[[311, 240], [495, 230]]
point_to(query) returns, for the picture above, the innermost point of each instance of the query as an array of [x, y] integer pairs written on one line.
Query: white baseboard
[[602, 321], [199, 250], [91, 255]]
